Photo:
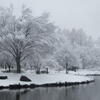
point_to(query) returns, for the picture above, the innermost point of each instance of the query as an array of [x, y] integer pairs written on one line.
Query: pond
[[82, 92]]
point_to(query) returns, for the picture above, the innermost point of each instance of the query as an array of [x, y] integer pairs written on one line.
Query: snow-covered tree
[[25, 35]]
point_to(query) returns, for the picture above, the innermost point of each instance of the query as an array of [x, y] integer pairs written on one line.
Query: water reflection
[[12, 94], [18, 96], [83, 92]]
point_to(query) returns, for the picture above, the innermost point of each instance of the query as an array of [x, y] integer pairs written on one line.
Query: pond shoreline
[[65, 84], [53, 79]]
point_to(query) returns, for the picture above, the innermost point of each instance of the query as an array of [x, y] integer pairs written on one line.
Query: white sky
[[65, 13]]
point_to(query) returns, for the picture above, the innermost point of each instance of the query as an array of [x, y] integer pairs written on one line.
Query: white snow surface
[[85, 72], [14, 78]]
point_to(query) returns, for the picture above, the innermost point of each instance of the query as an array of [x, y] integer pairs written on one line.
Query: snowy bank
[[56, 79], [86, 72]]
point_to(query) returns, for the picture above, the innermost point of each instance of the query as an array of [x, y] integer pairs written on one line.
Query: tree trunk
[[18, 65], [9, 68], [47, 70], [38, 71], [66, 68]]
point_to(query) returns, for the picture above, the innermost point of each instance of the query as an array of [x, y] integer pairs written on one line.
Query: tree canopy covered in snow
[[35, 42]]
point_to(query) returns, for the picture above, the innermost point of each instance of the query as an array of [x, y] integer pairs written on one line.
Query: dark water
[[82, 92]]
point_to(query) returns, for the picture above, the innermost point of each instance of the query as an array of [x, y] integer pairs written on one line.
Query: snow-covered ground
[[86, 72], [14, 78]]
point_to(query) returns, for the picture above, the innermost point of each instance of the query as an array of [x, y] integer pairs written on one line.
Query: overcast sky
[[65, 13]]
